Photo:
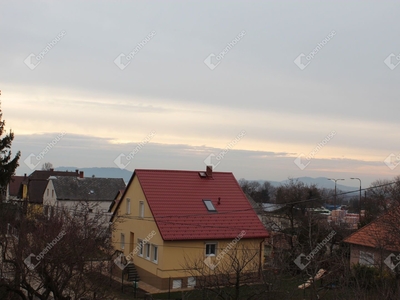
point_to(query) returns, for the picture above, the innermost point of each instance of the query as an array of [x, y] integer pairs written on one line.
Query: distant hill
[[321, 182], [101, 172]]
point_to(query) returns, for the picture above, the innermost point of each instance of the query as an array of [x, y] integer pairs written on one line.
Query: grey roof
[[88, 189], [271, 207]]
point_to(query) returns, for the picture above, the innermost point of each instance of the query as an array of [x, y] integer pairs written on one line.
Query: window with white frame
[[122, 241], [128, 206], [147, 250], [211, 249], [366, 258], [140, 245], [141, 209], [154, 253]]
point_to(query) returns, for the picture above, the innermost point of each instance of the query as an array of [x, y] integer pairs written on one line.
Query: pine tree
[[8, 165]]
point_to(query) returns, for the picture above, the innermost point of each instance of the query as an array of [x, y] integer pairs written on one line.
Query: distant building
[[69, 192], [378, 243]]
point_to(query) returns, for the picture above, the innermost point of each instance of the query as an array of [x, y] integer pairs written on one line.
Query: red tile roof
[[381, 233], [176, 202]]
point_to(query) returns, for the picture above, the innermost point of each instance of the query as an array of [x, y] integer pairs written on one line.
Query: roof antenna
[[219, 200]]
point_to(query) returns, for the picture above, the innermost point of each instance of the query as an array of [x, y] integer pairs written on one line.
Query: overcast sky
[[267, 81]]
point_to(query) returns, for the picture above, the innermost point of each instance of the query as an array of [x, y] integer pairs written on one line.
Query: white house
[[68, 192]]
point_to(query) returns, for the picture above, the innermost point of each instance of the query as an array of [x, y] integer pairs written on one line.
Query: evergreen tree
[[8, 165]]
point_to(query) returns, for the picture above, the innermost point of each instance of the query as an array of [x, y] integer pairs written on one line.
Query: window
[[209, 205], [211, 249], [147, 250], [191, 282], [366, 258], [177, 283], [154, 253], [52, 193], [140, 245], [128, 206], [141, 209], [47, 192], [122, 241]]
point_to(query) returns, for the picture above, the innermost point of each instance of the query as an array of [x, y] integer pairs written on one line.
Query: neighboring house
[[166, 218], [374, 243], [14, 189], [34, 185], [69, 192]]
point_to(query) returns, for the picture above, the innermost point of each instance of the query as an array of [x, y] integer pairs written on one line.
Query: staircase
[[132, 272]]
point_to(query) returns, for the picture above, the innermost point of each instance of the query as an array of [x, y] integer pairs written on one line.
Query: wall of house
[[141, 228], [173, 256], [379, 255], [50, 199]]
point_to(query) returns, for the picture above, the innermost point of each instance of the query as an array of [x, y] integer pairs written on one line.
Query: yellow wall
[[171, 254], [127, 223]]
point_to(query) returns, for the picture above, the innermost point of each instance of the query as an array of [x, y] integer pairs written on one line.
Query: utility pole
[[335, 180], [359, 202]]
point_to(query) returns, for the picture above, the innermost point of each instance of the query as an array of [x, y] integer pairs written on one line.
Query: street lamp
[[360, 195], [335, 187]]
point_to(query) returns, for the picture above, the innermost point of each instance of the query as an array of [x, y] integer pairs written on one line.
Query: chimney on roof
[[77, 171], [81, 174], [209, 171], [51, 170]]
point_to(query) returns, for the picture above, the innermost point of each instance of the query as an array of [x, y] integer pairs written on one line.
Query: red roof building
[[190, 213]]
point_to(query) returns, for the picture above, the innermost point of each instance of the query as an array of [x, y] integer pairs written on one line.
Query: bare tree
[[61, 257], [232, 276], [47, 166]]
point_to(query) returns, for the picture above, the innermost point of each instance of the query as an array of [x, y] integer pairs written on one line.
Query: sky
[[264, 89]]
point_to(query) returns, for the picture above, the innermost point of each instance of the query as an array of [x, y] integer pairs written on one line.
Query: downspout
[[260, 265]]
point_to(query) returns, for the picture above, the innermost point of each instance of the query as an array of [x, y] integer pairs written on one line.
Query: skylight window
[[209, 205]]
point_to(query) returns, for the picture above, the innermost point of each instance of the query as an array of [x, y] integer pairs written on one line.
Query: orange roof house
[[374, 243]]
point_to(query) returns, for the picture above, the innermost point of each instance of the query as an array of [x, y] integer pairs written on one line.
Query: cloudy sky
[[270, 90]]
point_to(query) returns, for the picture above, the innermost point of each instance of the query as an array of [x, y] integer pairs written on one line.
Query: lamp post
[[360, 195], [335, 187]]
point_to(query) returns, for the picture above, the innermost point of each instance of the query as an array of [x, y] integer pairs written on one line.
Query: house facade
[[377, 243], [69, 192], [167, 219]]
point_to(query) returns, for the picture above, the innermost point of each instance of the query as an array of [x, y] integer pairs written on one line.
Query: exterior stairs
[[132, 272]]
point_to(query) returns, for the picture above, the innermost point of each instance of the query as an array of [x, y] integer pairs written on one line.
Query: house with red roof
[[168, 217], [377, 243]]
